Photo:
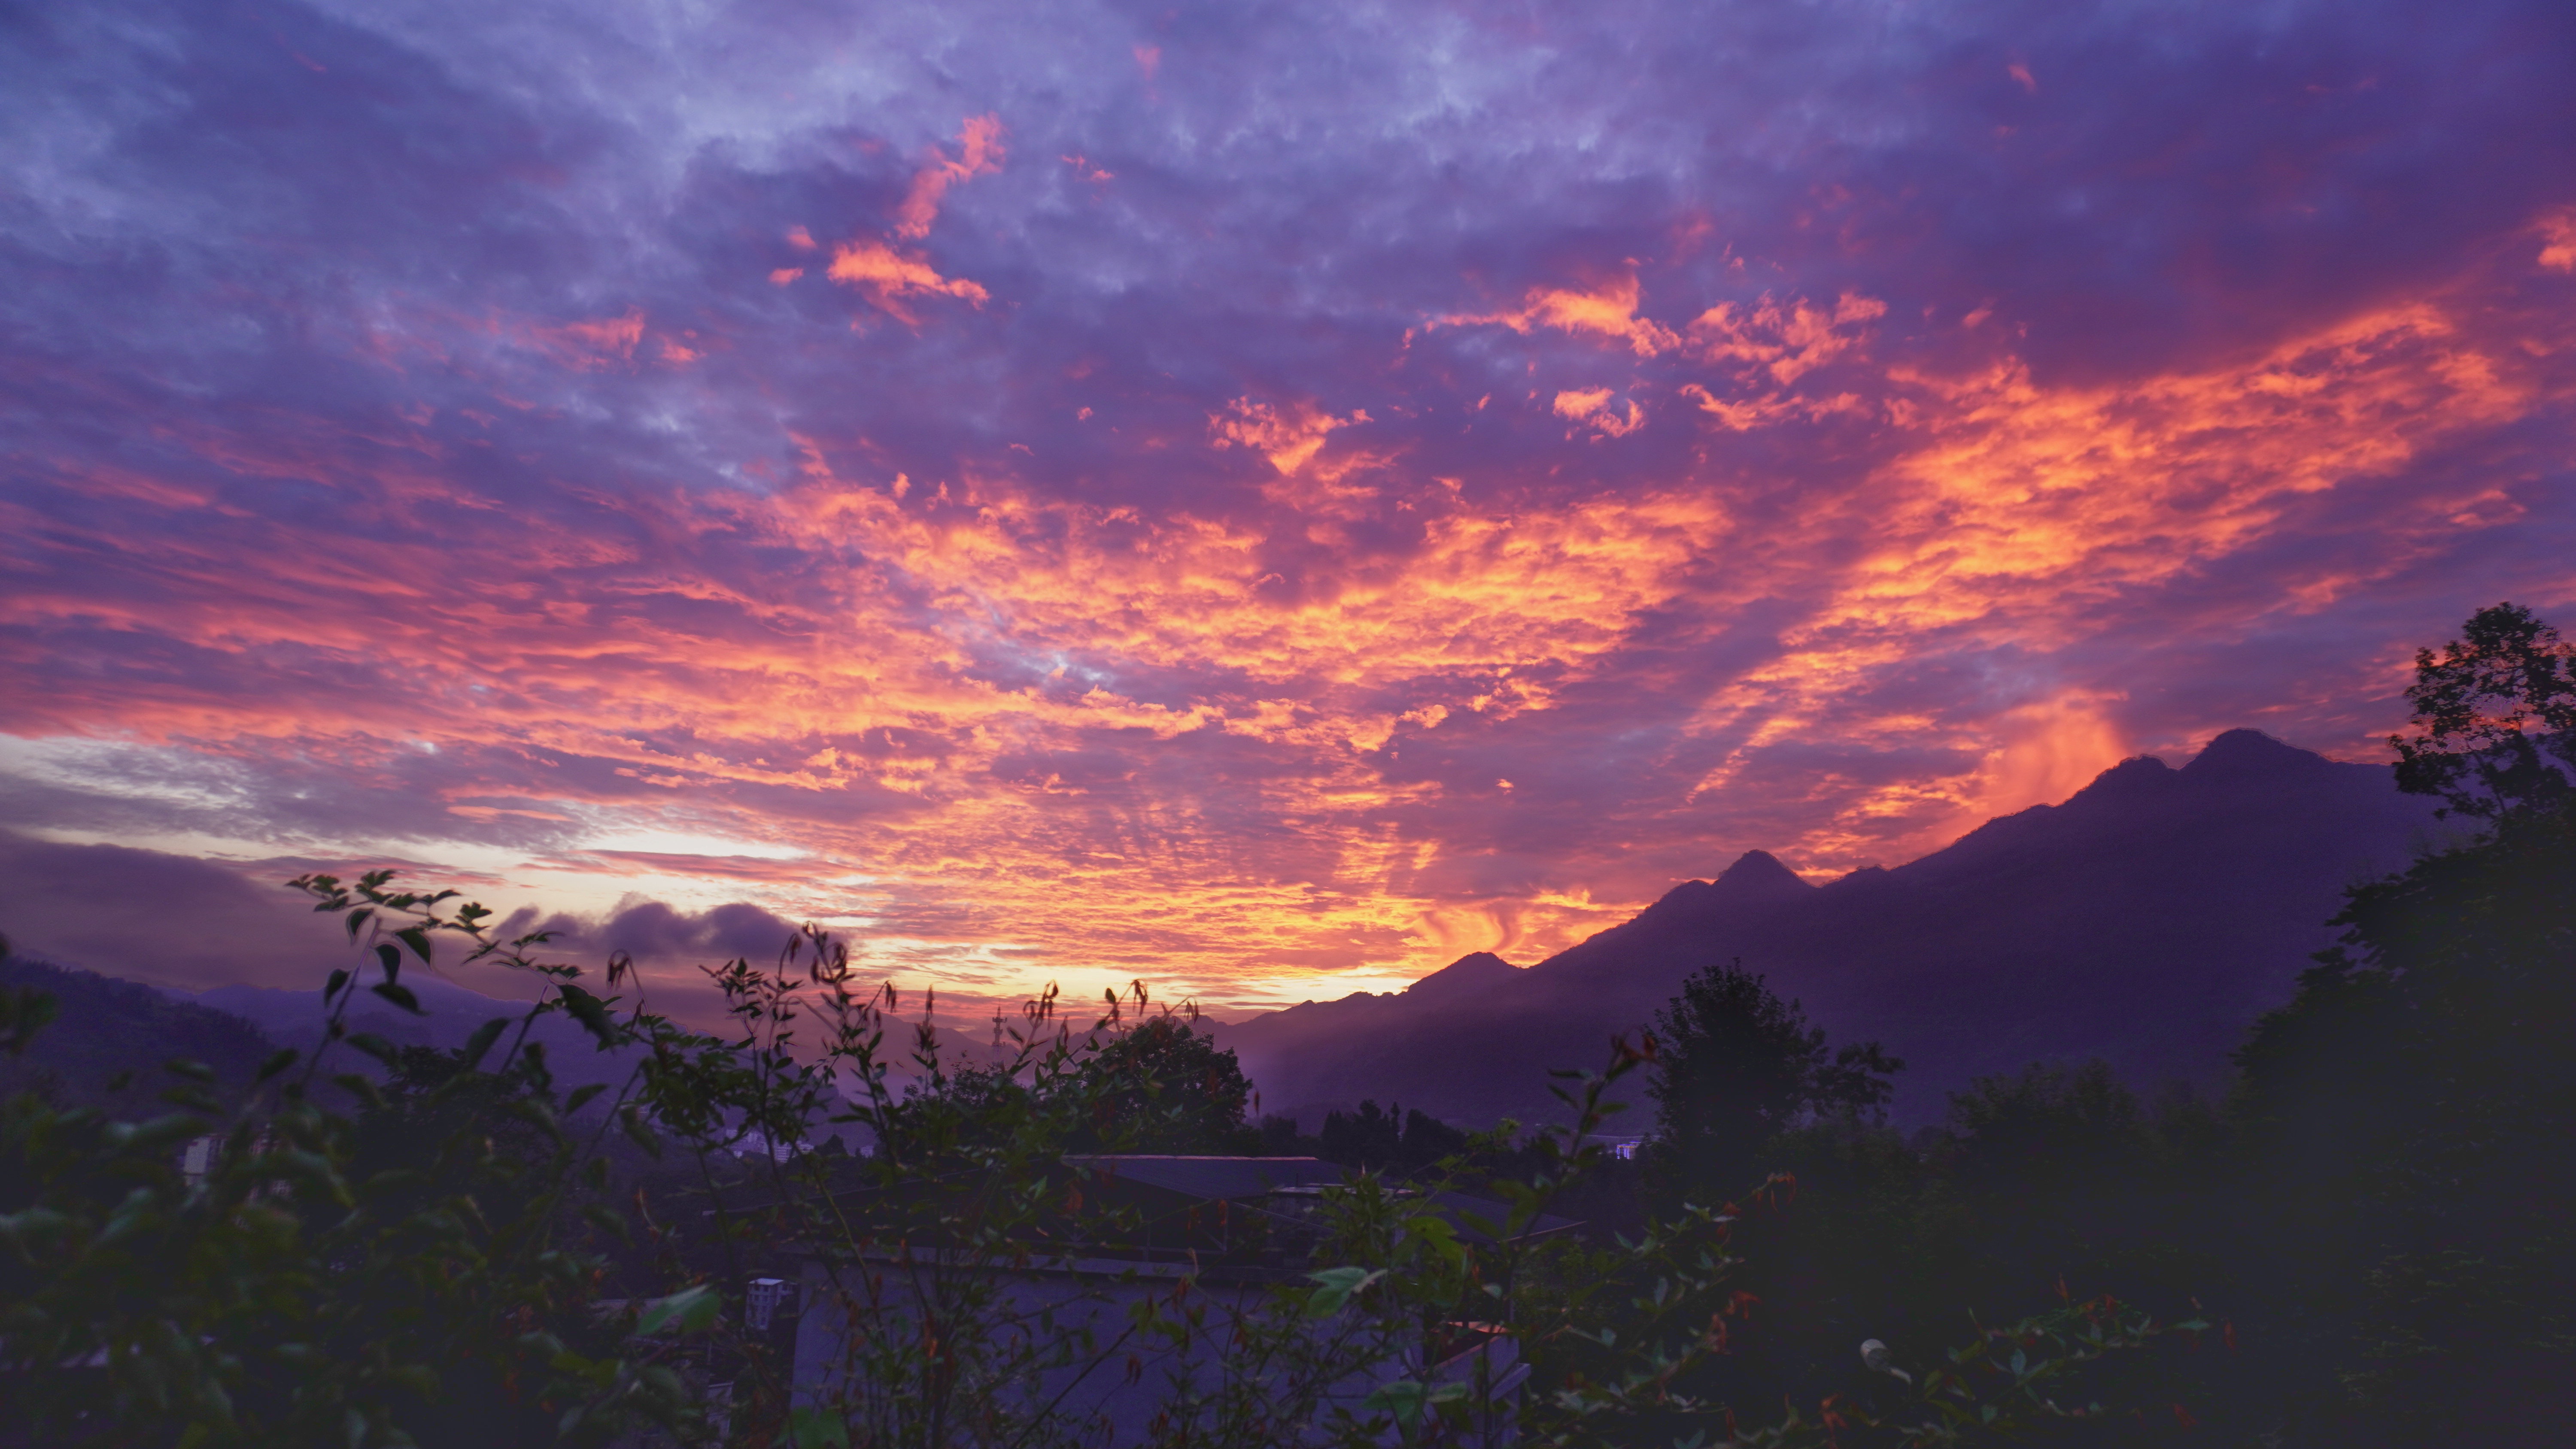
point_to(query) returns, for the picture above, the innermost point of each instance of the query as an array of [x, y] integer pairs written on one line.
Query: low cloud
[[169, 920], [655, 934]]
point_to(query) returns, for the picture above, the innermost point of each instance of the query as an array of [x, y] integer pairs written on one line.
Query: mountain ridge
[[2147, 918]]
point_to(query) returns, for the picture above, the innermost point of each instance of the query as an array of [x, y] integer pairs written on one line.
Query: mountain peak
[[2249, 752], [2136, 775], [1475, 971], [1760, 873]]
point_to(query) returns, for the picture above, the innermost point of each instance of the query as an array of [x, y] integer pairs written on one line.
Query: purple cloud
[[1229, 493]]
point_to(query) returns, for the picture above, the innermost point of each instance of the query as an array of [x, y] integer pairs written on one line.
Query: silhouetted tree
[[2496, 711], [2034, 1134], [1368, 1136], [1165, 1087], [1280, 1138], [1389, 1139], [2412, 1110], [1736, 1066]]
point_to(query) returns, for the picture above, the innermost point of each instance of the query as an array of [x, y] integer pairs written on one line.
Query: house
[[1153, 1295]]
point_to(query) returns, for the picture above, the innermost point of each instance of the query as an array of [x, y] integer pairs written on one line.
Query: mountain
[[2148, 919], [453, 1012], [103, 1027]]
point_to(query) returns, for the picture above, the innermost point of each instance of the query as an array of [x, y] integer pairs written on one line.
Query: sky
[[1260, 499]]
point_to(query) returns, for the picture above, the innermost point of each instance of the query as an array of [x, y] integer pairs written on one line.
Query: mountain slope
[[104, 1028], [2147, 920], [451, 1015]]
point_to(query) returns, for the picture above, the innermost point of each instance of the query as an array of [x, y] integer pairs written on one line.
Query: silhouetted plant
[[2413, 1108], [286, 1296], [2495, 714], [1735, 1067], [435, 1260]]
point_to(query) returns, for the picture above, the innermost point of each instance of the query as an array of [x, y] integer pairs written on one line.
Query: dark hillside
[[2146, 920], [105, 1027], [450, 1015]]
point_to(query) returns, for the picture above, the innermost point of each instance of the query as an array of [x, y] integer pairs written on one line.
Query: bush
[[461, 1254]]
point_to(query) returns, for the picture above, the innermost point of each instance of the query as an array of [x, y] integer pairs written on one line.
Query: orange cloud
[[887, 276], [2044, 752], [1289, 437], [1785, 343], [2021, 507], [1591, 407], [980, 152], [1609, 310], [2558, 242], [587, 345], [1021, 732]]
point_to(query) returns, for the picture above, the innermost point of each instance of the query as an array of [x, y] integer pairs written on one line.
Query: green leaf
[[360, 1088], [481, 1041], [536, 1113], [392, 1179], [632, 1120], [23, 1013], [194, 1098], [582, 1095], [417, 938], [390, 959], [591, 1012], [1338, 1284], [373, 1045], [692, 1309], [814, 1428], [278, 1061], [400, 996], [1403, 1398], [332, 987]]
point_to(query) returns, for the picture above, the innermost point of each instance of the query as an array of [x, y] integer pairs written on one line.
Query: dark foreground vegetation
[[2377, 1213], [2364, 1242]]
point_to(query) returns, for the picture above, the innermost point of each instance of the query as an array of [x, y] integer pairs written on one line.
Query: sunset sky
[[1264, 499]]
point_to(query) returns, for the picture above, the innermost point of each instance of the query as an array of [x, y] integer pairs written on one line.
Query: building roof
[[1214, 1178], [1240, 1179]]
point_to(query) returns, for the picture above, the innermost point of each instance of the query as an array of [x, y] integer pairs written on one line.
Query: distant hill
[[2147, 920], [104, 1027], [295, 1018]]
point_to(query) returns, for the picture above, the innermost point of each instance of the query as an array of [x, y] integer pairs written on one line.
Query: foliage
[[2413, 1108], [286, 1296], [428, 1253], [429, 1257], [2496, 715], [2377, 1212], [1389, 1139], [1735, 1067], [1165, 1087]]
